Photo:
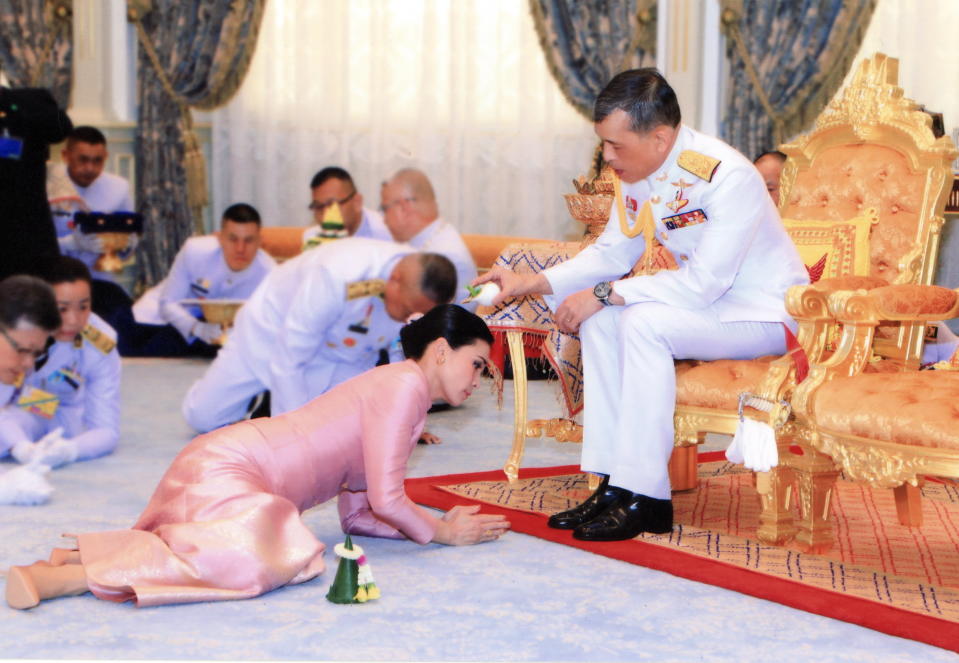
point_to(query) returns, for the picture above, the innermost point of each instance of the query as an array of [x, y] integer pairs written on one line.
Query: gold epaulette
[[98, 339], [368, 288], [698, 164]]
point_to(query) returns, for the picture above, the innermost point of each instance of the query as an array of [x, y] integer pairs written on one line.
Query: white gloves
[[25, 485], [754, 446], [52, 450], [208, 332], [89, 242]]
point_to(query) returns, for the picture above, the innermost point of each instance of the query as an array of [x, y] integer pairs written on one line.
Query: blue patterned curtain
[[786, 60], [36, 45], [587, 43], [193, 53]]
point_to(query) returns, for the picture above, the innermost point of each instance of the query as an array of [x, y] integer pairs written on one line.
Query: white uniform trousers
[[222, 396], [630, 383]]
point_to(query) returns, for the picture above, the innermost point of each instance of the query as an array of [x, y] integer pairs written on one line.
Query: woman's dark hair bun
[[450, 321]]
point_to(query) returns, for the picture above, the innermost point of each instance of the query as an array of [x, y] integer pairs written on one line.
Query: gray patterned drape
[[587, 43], [786, 60], [193, 53], [36, 45]]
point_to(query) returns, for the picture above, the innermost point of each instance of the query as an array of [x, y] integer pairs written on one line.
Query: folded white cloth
[[25, 485]]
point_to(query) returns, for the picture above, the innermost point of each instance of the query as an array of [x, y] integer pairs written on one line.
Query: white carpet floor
[[517, 599]]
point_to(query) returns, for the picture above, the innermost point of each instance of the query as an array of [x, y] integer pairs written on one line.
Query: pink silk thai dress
[[224, 522]]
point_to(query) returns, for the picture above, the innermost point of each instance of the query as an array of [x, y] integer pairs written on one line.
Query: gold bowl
[[218, 311], [589, 209]]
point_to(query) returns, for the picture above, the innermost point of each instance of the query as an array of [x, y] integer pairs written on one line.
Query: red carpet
[[882, 576]]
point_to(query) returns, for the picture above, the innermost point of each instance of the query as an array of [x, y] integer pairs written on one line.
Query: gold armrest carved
[[911, 303]]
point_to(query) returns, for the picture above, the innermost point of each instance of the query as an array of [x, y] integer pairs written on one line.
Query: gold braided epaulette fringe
[[698, 164], [368, 288], [98, 339]]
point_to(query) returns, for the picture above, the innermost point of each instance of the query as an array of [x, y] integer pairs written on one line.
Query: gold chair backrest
[[873, 148]]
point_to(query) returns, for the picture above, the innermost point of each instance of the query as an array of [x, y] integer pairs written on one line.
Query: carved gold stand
[[562, 430]]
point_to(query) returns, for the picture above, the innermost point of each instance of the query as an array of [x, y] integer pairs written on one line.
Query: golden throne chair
[[871, 161], [888, 430]]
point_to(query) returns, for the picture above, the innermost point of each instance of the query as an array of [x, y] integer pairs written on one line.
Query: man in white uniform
[[708, 205], [412, 215], [84, 157], [335, 185], [315, 321], [227, 265], [28, 316], [68, 407]]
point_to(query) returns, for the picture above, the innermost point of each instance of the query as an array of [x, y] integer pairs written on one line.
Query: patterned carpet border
[[690, 552]]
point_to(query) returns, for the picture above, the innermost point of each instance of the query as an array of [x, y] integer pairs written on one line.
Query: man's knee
[[649, 319]]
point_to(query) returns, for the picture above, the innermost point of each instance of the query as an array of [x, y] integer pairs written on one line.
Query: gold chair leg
[[683, 473], [517, 356], [775, 489], [816, 476], [908, 505]]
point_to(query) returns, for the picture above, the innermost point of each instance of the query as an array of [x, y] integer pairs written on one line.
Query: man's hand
[[575, 309], [512, 284], [208, 332]]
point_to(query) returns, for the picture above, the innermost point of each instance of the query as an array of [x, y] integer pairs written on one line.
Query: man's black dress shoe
[[604, 497], [627, 519]]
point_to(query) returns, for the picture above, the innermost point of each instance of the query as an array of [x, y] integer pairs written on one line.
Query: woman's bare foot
[[28, 585], [61, 556]]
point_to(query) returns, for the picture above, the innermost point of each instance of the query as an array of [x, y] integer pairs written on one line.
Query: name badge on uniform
[[692, 218], [11, 147], [201, 287], [39, 402]]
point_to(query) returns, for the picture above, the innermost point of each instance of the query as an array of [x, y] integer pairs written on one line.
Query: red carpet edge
[[871, 614]]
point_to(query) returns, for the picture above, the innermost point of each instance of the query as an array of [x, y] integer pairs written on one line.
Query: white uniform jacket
[[311, 313], [83, 378], [198, 272], [721, 226], [108, 193], [371, 226]]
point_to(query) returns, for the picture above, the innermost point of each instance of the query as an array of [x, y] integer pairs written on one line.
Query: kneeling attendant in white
[[316, 321], [707, 205], [68, 408]]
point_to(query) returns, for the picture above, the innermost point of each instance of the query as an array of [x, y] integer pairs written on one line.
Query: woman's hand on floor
[[464, 526]]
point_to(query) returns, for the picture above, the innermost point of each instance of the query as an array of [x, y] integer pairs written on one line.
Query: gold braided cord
[[645, 224], [223, 84]]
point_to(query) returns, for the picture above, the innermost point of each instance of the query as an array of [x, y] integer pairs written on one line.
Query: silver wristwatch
[[603, 290]]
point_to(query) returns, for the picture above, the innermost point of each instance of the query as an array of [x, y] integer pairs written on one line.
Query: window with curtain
[[458, 89]]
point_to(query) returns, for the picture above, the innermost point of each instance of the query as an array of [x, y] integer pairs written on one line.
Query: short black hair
[[28, 299], [331, 173], [67, 270], [86, 134], [644, 95], [772, 153], [450, 321], [439, 277], [242, 213]]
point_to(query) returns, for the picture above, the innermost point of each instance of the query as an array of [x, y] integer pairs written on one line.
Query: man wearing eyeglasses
[[28, 317], [412, 215], [334, 185]]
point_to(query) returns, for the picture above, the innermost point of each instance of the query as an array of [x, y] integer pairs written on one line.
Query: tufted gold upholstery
[[917, 409], [869, 149]]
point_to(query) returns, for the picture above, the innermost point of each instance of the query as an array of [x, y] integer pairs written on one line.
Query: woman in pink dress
[[224, 523]]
